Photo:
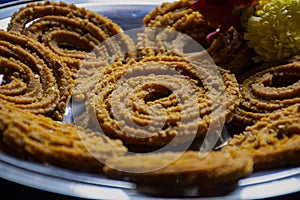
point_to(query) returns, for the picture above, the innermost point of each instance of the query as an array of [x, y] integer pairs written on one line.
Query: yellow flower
[[274, 30], [258, 4]]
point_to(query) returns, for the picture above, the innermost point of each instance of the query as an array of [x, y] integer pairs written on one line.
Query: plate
[[263, 184]]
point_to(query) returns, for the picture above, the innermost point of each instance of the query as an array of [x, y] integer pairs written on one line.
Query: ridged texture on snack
[[33, 78], [180, 16], [162, 98], [58, 25], [274, 141], [77, 35], [209, 174], [41, 139], [267, 89], [229, 50], [156, 41]]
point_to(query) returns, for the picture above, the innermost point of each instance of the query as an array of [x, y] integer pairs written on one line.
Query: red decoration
[[220, 13]]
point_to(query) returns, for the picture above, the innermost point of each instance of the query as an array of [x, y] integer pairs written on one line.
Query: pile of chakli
[[157, 109], [274, 85], [267, 115], [175, 87], [39, 62], [266, 122]]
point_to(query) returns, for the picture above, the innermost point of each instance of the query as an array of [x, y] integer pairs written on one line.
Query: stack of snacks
[[159, 93]]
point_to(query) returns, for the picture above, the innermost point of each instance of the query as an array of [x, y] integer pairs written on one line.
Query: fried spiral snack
[[229, 50], [33, 78], [41, 139], [179, 16], [177, 174], [161, 100], [74, 34], [266, 90], [273, 141], [155, 41], [59, 25]]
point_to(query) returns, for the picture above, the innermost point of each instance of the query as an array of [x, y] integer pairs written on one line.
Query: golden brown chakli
[[38, 138], [59, 25], [76, 35], [267, 90], [162, 99], [229, 50], [33, 79], [273, 141], [179, 16]]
